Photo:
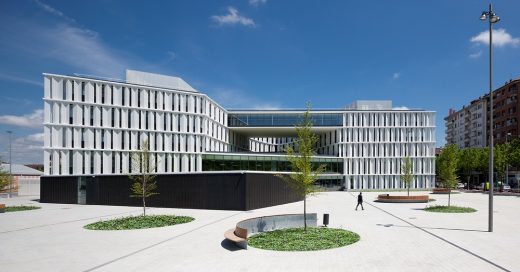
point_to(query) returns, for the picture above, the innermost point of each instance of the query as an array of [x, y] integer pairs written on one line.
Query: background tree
[[144, 184], [514, 153], [447, 168], [304, 173], [500, 160], [467, 162], [407, 175], [4, 179]]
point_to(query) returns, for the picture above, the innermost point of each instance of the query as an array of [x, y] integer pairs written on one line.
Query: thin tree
[[447, 168], [407, 175], [304, 173], [144, 184]]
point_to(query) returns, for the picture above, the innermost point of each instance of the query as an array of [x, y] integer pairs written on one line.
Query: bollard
[[325, 219]]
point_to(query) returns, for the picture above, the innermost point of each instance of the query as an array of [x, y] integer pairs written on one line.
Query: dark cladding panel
[[59, 190], [265, 190], [217, 191]]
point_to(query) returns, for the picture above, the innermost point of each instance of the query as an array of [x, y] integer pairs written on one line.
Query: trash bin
[[325, 219]]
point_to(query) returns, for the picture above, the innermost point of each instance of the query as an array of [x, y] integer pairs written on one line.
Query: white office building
[[92, 126]]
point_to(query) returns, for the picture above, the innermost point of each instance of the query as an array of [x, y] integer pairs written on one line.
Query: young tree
[[407, 175], [447, 168], [144, 184], [304, 173]]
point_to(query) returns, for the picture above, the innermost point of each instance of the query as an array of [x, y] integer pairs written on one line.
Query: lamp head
[[494, 19], [483, 16]]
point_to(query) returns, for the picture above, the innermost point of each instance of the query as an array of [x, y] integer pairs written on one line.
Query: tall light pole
[[507, 164], [492, 18], [10, 166]]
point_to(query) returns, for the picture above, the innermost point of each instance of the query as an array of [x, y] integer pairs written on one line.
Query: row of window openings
[[393, 183], [216, 114], [144, 124], [392, 151], [391, 134], [128, 102], [380, 167], [154, 158], [393, 119], [176, 141]]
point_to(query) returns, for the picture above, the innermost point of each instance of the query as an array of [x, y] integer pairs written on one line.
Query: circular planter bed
[[402, 199], [297, 239], [20, 208], [449, 209], [139, 222]]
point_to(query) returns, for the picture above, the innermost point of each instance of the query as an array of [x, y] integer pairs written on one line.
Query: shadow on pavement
[[226, 244]]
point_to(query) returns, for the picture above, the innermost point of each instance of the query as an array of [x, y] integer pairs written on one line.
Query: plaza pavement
[[394, 237]]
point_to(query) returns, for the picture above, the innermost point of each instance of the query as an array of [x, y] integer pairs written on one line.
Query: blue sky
[[256, 54]]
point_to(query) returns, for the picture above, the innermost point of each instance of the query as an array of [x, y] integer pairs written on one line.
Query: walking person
[[360, 201]]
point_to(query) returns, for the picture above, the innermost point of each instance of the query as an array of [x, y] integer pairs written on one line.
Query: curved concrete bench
[[402, 199], [251, 226]]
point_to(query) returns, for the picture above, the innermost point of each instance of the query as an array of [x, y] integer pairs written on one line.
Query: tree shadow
[[230, 246], [400, 226]]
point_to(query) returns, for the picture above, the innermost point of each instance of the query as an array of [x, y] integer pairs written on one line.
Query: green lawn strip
[[139, 222], [21, 208], [449, 209], [296, 239]]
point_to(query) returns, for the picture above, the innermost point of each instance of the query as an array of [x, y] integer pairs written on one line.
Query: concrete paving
[[394, 237]]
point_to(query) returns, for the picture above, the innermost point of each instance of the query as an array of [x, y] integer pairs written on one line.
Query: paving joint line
[[66, 222], [438, 237], [159, 243]]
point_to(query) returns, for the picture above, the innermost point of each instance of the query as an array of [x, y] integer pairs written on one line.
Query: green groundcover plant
[[139, 222], [20, 208], [449, 209], [297, 239]]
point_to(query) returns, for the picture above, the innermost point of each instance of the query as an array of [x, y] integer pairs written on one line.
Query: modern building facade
[[92, 126], [469, 126]]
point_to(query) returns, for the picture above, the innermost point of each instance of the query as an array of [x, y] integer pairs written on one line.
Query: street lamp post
[[10, 166], [507, 164], [492, 18]]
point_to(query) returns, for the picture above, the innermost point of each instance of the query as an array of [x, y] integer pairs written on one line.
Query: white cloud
[[476, 55], [37, 137], [238, 99], [400, 108], [500, 38], [257, 3], [82, 49], [21, 79], [32, 120], [233, 18], [54, 11], [25, 149], [171, 55], [396, 75]]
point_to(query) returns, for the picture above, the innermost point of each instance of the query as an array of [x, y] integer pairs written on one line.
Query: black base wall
[[220, 191]]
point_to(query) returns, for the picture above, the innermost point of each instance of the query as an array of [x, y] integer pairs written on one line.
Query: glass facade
[[229, 162], [282, 119]]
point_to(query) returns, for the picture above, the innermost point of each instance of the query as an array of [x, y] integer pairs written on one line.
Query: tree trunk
[[305, 213], [144, 196], [449, 197], [408, 186]]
